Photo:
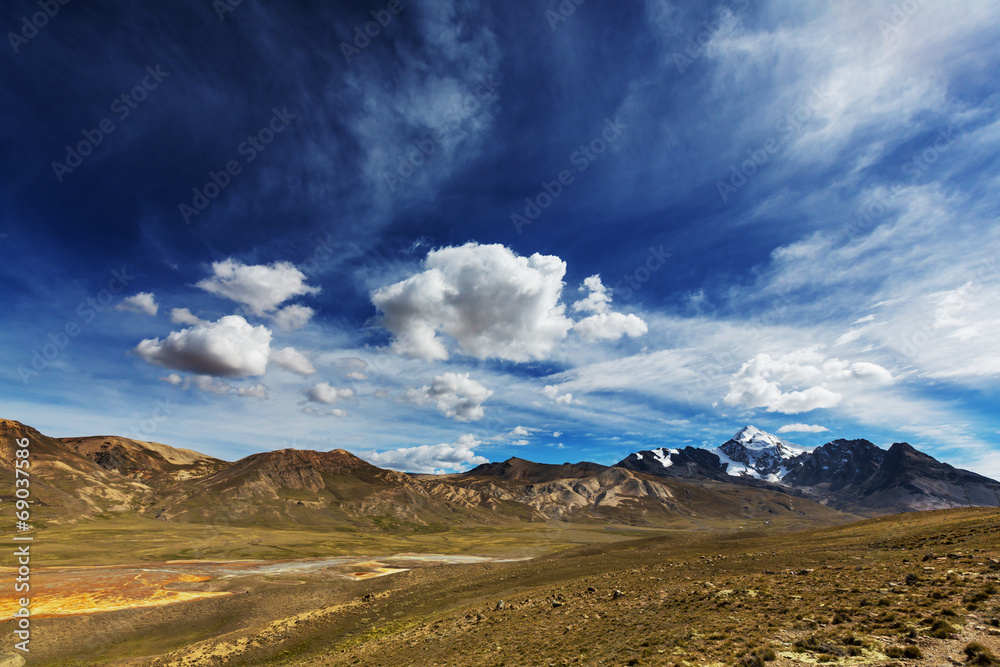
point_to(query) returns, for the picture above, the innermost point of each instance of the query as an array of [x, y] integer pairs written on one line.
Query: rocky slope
[[81, 477], [850, 475]]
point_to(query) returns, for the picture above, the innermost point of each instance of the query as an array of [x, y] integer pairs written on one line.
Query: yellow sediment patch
[[94, 592], [375, 572]]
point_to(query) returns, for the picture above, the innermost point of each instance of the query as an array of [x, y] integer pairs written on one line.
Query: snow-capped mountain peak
[[756, 453]]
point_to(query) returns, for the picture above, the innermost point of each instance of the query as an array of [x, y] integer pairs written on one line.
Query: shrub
[[941, 629], [979, 655], [757, 658]]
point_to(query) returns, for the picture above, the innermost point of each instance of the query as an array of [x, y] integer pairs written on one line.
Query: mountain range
[[753, 476], [851, 475]]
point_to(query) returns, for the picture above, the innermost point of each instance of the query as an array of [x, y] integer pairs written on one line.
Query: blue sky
[[495, 229]]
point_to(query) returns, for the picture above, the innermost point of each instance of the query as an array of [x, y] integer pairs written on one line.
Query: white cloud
[[212, 385], [802, 428], [324, 393], [456, 396], [257, 390], [317, 412], [598, 299], [292, 360], [429, 458], [172, 378], [604, 324], [552, 393], [261, 288], [185, 316], [143, 303], [491, 301], [762, 381], [353, 368], [230, 347], [293, 317], [610, 326], [520, 431], [557, 434]]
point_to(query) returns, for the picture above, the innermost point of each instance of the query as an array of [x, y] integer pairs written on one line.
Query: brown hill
[[85, 476], [142, 460], [64, 485], [529, 471]]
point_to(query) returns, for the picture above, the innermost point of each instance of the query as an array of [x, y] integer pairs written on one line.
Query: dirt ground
[[915, 589]]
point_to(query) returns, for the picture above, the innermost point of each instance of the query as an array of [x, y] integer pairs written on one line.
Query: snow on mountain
[[758, 454]]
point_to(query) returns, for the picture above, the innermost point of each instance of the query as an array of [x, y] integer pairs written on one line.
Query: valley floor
[[913, 589]]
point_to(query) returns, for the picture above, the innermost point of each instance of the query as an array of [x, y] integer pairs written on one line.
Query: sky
[[436, 234]]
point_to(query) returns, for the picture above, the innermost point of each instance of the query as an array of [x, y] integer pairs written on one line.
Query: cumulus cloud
[[520, 431], [456, 396], [552, 393], [598, 299], [324, 393], [610, 326], [429, 458], [185, 316], [491, 301], [143, 303], [802, 428], [799, 381], [292, 360], [293, 317], [230, 347], [604, 324], [260, 288]]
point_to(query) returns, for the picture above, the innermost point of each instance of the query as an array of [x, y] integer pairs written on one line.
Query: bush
[[912, 653], [941, 629], [757, 658], [979, 655]]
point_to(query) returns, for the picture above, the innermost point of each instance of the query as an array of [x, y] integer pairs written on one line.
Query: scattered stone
[[557, 603], [501, 605], [617, 594]]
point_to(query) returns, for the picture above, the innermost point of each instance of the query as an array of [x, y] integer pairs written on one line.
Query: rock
[[557, 603], [501, 605], [12, 660], [617, 594], [591, 589]]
